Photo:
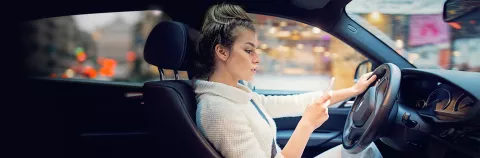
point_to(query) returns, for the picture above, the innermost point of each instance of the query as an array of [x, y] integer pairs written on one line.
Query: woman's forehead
[[247, 37]]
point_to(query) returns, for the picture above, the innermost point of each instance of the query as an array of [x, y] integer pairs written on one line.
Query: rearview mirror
[[456, 10], [363, 68]]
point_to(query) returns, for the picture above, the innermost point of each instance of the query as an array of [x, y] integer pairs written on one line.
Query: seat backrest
[[171, 105]]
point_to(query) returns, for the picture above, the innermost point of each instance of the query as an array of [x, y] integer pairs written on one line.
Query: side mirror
[[363, 68], [458, 10]]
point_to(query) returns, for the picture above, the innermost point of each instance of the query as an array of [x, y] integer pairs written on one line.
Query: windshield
[[416, 30]]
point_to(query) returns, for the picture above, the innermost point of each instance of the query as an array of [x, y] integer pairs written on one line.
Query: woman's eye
[[249, 51]]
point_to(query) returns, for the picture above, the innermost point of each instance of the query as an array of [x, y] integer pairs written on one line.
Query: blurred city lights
[[300, 46], [272, 30], [156, 12], [327, 54], [457, 53], [258, 51], [100, 60], [375, 16], [283, 34], [316, 30], [69, 73], [108, 67], [306, 33], [79, 49], [81, 56], [399, 43], [412, 57], [455, 25], [318, 49], [264, 46], [284, 48], [131, 56], [90, 72]]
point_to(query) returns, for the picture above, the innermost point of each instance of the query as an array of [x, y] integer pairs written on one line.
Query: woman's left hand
[[363, 83]]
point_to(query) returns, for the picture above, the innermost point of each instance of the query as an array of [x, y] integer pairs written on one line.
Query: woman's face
[[243, 58]]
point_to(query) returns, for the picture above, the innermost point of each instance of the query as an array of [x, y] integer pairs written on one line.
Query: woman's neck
[[223, 77]]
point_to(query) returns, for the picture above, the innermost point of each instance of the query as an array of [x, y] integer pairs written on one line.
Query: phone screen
[[330, 85]]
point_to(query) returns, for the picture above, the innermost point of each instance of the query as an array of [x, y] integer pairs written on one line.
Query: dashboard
[[448, 102], [437, 99]]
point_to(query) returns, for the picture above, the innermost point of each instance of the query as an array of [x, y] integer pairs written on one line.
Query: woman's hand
[[316, 113], [363, 83], [314, 116]]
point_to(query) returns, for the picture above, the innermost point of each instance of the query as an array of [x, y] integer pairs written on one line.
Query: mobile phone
[[330, 85]]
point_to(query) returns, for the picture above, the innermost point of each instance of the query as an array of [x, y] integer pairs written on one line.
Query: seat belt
[[274, 147]]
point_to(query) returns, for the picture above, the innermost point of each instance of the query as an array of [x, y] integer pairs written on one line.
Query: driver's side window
[[299, 57]]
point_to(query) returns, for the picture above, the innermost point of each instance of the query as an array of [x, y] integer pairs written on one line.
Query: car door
[[298, 58]]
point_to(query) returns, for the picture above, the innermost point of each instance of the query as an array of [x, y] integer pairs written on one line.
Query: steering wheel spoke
[[355, 132]]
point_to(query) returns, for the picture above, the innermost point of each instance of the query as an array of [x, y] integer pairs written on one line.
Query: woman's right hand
[[314, 116], [316, 113]]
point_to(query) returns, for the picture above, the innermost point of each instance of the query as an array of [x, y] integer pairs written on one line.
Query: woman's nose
[[256, 58]]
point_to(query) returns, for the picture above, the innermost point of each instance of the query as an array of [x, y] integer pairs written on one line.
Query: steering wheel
[[371, 109]]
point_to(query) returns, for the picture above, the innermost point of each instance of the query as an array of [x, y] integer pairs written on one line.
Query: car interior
[[157, 118]]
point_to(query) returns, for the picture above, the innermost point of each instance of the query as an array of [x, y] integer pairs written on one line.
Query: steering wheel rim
[[371, 109]]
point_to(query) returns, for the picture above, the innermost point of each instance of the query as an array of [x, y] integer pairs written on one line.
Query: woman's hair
[[221, 26]]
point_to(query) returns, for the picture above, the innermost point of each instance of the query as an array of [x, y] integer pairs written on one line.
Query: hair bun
[[226, 13]]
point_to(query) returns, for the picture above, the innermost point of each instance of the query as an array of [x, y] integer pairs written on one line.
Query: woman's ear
[[221, 52]]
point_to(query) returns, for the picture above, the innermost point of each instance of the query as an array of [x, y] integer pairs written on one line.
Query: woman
[[237, 121]]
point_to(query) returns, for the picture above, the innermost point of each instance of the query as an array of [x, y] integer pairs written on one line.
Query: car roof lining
[[192, 14]]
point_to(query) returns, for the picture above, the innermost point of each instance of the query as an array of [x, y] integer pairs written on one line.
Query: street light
[[375, 16]]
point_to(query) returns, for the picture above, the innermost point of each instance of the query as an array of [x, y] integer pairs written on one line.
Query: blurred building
[[51, 43], [114, 40]]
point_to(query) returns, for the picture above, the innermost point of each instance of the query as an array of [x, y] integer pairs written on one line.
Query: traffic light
[[80, 54]]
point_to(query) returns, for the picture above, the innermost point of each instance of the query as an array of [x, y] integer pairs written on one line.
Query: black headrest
[[170, 45]]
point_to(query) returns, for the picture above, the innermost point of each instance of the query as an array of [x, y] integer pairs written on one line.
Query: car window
[[109, 47], [299, 57], [103, 46], [416, 30]]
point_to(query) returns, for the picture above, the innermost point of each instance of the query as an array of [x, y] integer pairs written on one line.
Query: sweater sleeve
[[227, 129], [286, 106]]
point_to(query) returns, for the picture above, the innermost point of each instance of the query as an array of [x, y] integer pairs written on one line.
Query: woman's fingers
[[371, 79], [324, 98]]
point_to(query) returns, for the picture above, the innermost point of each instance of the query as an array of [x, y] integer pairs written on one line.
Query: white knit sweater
[[228, 119]]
